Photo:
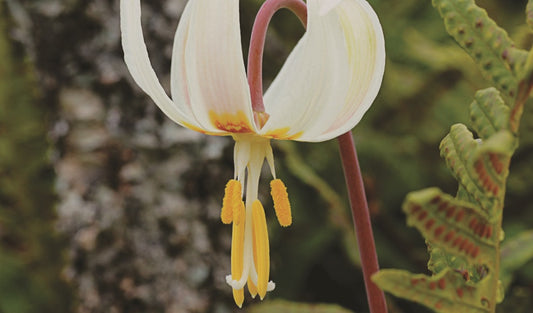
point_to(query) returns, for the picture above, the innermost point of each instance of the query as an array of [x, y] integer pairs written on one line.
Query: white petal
[[332, 76], [208, 69], [138, 63]]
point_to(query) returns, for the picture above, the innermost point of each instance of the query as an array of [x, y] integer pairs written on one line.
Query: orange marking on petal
[[233, 123]]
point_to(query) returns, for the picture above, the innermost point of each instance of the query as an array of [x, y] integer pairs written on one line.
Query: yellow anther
[[232, 199], [238, 296], [281, 202], [239, 212], [252, 288], [262, 262]]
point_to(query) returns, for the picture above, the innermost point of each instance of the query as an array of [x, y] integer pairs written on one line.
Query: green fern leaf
[[458, 149], [515, 253], [446, 292], [488, 113], [440, 261], [489, 45], [456, 226], [529, 14], [463, 233]]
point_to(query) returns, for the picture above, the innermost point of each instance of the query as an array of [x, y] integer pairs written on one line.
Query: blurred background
[[107, 206]]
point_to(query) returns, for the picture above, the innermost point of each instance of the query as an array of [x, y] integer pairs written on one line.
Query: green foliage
[[30, 256], [514, 254], [464, 232], [488, 44], [338, 213], [292, 307], [529, 13], [446, 292]]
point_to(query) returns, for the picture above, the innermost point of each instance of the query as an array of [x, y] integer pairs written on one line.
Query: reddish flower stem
[[361, 219], [257, 44], [354, 182]]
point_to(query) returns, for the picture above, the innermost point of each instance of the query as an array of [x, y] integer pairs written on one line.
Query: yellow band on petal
[[281, 202], [282, 133], [262, 247]]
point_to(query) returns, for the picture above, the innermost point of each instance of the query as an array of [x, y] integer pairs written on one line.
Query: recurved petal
[[331, 77], [208, 70], [138, 63]]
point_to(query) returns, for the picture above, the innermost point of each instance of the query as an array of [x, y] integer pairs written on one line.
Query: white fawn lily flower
[[328, 82]]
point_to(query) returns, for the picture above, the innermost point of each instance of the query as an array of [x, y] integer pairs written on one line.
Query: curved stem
[[354, 182], [257, 43], [361, 219]]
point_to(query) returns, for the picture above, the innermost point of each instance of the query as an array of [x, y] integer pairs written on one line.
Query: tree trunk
[[138, 196]]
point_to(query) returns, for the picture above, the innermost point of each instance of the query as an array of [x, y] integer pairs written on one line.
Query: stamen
[[262, 247], [237, 256], [231, 201], [281, 202]]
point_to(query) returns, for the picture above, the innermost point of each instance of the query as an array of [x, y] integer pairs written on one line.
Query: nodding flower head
[[327, 83]]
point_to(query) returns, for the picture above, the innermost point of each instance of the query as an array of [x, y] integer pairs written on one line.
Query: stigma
[[250, 252]]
